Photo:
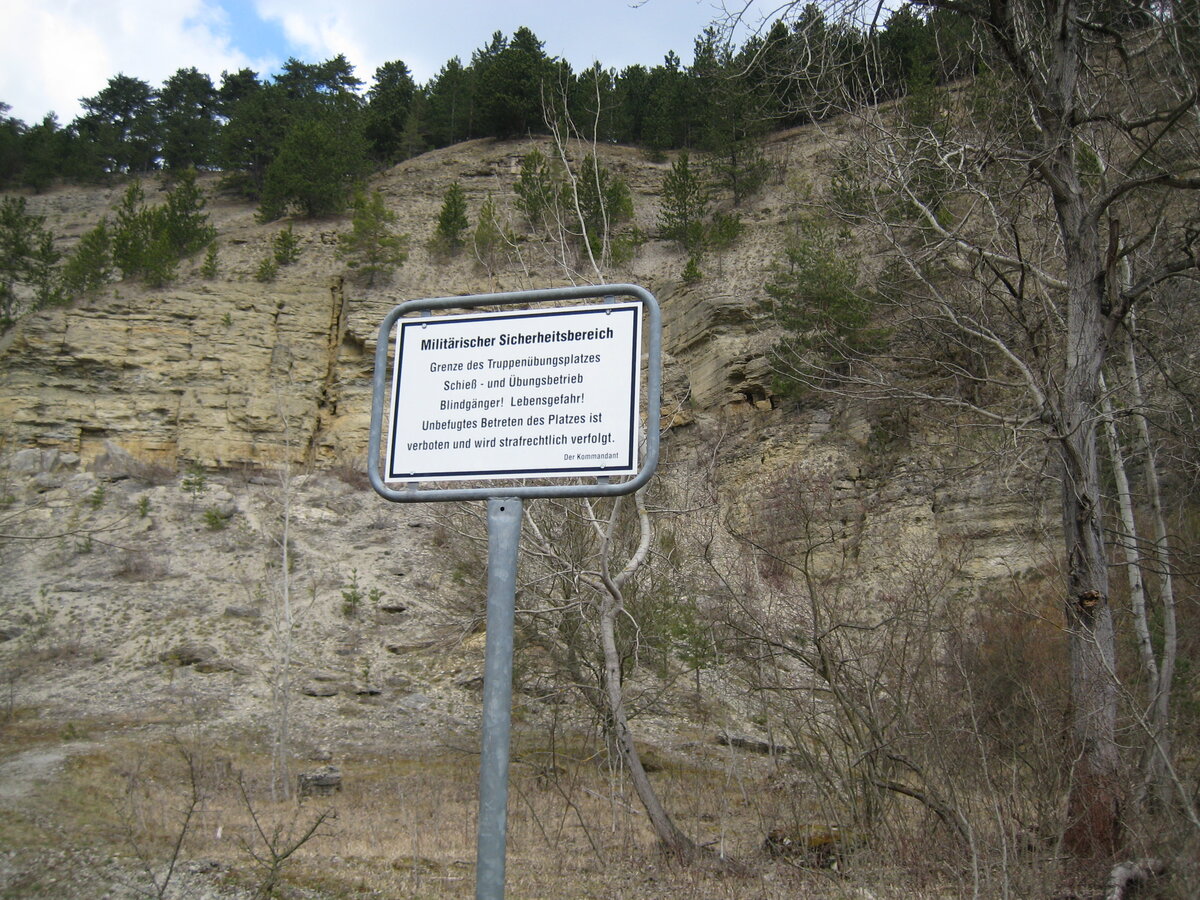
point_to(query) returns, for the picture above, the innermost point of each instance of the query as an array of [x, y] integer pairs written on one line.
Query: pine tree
[[537, 187], [685, 201], [89, 266], [452, 219], [490, 236], [605, 202], [27, 258], [372, 246], [318, 165], [183, 216]]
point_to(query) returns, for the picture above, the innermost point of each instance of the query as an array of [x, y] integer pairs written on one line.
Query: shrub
[[267, 269]]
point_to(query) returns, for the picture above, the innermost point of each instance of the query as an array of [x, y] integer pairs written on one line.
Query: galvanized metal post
[[504, 535]]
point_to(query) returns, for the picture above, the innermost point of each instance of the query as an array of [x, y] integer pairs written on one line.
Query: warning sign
[[526, 394]]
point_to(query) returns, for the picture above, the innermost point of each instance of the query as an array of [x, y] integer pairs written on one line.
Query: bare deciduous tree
[[1009, 206]]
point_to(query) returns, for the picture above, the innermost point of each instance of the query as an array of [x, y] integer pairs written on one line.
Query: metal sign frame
[[504, 515], [600, 488]]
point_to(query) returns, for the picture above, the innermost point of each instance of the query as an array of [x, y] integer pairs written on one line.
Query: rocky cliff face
[[233, 372], [200, 371]]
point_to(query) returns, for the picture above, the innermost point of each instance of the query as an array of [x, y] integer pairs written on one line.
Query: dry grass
[[405, 827]]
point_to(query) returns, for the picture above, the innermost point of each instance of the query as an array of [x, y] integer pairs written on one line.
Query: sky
[[54, 53]]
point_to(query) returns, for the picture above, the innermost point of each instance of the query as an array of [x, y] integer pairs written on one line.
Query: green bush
[[267, 269]]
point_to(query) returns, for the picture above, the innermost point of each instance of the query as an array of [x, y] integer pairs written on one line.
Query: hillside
[[147, 472]]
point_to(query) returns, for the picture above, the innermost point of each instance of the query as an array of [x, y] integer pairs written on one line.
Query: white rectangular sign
[[522, 394]]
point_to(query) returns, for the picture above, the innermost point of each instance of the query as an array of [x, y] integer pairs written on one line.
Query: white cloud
[[55, 54], [425, 34]]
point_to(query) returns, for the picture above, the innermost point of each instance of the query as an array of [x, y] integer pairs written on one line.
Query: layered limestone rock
[[232, 372], [220, 378]]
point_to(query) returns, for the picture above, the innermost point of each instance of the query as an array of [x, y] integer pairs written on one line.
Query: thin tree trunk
[[1157, 786], [1130, 542], [611, 606]]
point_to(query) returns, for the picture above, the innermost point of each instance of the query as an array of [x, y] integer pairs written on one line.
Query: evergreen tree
[[537, 188], [665, 123], [235, 87], [148, 242], [306, 81], [594, 103], [183, 218], [733, 122], [490, 237], [449, 105], [132, 233], [285, 246], [412, 139], [604, 203], [89, 267], [815, 297], [27, 259], [452, 219], [684, 206], [122, 124], [11, 150], [250, 140], [372, 246], [45, 154], [187, 108], [319, 164], [389, 103], [631, 99], [511, 82]]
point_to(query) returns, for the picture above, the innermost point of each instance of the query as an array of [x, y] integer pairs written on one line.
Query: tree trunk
[[1093, 805], [611, 603], [670, 835], [1156, 787]]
